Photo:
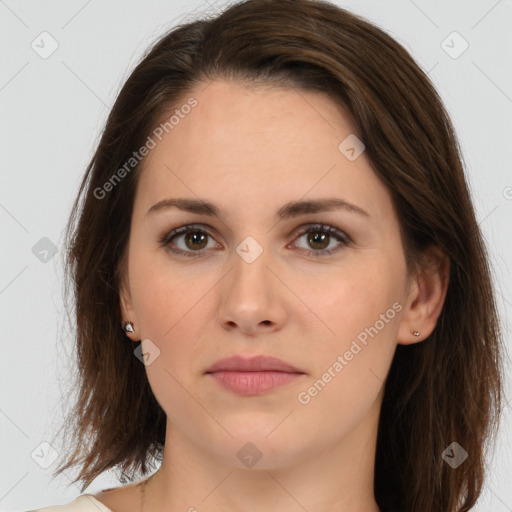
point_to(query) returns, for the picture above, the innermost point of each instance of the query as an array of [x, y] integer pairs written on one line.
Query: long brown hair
[[442, 390]]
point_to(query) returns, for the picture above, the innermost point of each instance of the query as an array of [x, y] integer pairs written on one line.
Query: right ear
[[126, 305]]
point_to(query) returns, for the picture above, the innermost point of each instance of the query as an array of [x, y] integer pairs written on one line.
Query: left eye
[[320, 237]]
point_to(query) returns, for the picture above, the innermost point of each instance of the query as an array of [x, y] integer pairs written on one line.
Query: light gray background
[[52, 111]]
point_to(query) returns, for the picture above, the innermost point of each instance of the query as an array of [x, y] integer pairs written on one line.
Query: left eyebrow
[[296, 208], [289, 210]]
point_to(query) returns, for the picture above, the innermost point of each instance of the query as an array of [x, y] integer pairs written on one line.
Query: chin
[[258, 445]]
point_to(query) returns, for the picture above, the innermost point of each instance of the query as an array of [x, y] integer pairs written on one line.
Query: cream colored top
[[84, 503]]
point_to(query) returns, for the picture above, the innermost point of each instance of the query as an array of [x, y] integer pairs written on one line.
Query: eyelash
[[320, 228]]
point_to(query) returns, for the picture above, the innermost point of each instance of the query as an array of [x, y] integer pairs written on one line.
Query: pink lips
[[253, 375]]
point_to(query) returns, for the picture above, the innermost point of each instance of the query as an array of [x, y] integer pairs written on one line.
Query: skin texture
[[251, 151]]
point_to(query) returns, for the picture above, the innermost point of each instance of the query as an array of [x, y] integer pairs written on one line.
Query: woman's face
[[249, 281]]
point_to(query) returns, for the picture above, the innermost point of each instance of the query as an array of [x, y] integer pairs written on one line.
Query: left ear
[[426, 295]]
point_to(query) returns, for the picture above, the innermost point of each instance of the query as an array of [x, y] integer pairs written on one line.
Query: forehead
[[233, 117], [262, 143]]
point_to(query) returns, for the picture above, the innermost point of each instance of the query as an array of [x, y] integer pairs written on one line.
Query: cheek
[[168, 308], [361, 317], [162, 296], [171, 311], [350, 367], [351, 299]]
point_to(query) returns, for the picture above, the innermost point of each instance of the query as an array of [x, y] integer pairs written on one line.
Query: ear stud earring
[[128, 327], [415, 333]]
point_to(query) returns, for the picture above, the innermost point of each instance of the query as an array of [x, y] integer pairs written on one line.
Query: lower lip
[[253, 383]]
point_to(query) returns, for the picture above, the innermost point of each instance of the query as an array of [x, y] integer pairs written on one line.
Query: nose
[[252, 297]]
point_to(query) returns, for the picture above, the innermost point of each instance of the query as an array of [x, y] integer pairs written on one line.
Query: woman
[[281, 289]]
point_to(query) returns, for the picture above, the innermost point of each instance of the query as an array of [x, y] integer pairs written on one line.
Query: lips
[[252, 364], [253, 375]]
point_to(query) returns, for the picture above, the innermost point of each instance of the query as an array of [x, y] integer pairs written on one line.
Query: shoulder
[[84, 503], [125, 498]]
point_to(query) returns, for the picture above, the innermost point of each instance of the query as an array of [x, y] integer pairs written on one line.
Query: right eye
[[193, 241]]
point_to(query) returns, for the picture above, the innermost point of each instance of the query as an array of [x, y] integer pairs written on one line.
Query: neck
[[337, 477]]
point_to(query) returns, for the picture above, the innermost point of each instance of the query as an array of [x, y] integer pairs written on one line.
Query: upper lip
[[252, 364]]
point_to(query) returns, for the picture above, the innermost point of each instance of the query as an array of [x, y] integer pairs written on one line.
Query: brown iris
[[196, 237], [316, 238]]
